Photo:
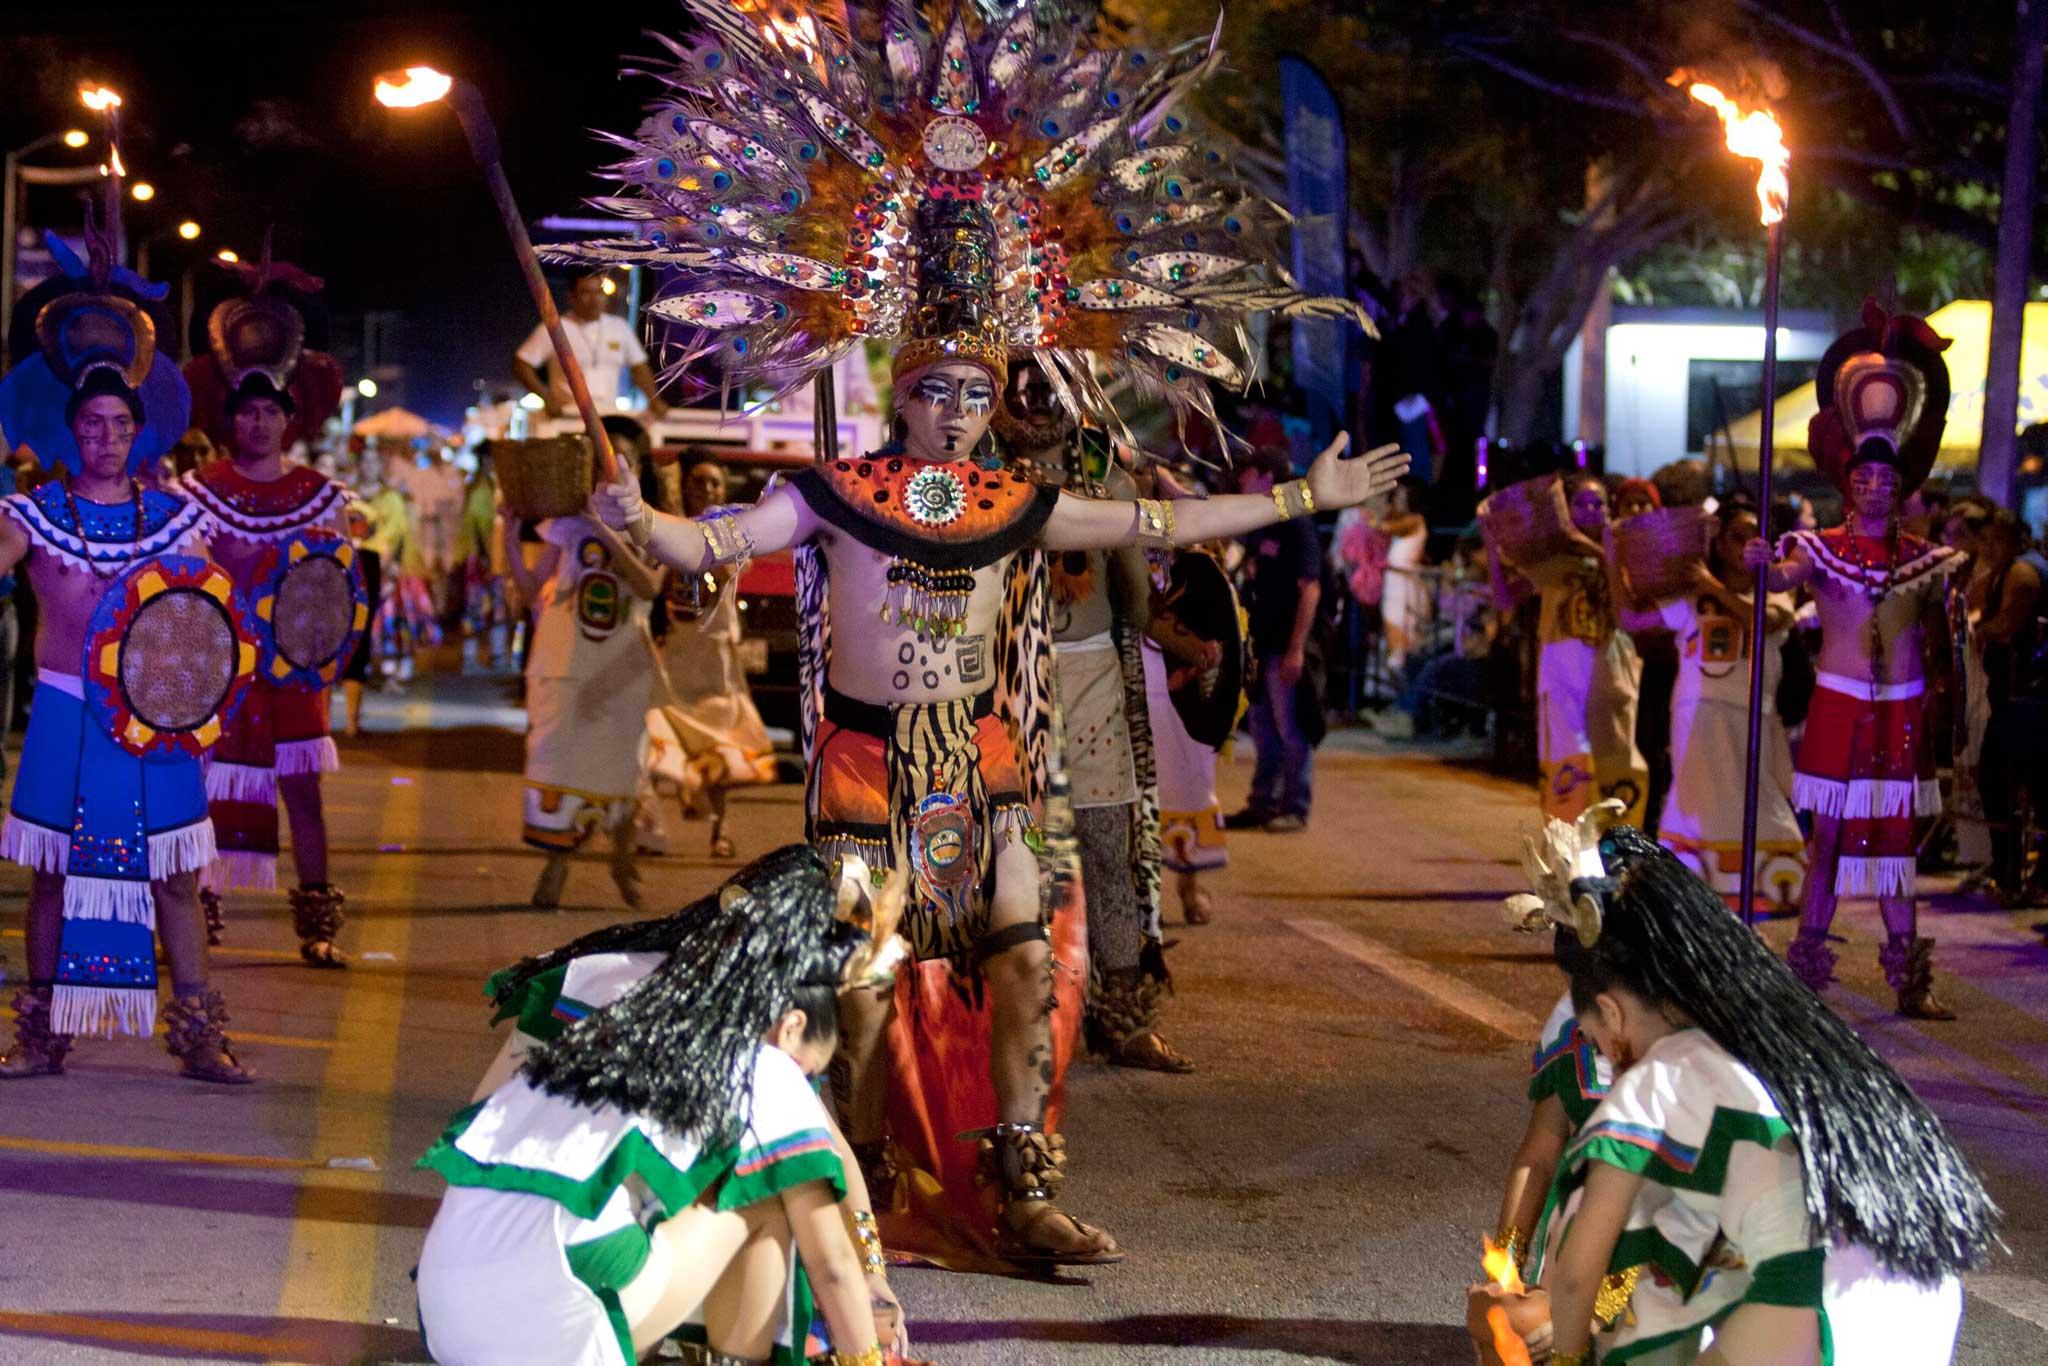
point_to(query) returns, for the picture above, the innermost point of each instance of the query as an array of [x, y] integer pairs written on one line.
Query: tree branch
[[1576, 94], [1879, 86]]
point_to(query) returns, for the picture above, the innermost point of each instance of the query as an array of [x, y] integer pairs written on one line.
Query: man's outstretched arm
[[779, 520], [1332, 483]]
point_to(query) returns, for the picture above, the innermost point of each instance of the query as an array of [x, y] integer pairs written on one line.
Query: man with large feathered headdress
[[955, 181], [259, 387], [1865, 770]]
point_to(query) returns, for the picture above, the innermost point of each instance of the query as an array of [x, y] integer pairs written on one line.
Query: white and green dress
[[1568, 1065], [1721, 1222], [550, 1202]]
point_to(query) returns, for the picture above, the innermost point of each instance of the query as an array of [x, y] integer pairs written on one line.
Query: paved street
[[1316, 1192]]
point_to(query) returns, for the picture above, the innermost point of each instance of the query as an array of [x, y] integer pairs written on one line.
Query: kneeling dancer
[[1756, 1178], [658, 1166]]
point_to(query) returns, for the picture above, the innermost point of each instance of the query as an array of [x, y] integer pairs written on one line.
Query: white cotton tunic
[[549, 1200], [1721, 1221]]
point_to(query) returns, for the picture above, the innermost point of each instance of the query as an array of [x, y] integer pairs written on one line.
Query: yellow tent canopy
[[1967, 323], [400, 424]]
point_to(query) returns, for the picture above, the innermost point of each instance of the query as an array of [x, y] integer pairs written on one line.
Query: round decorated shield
[[1200, 598], [168, 654], [310, 597]]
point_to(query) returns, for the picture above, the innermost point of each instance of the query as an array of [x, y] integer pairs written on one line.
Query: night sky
[[247, 114]]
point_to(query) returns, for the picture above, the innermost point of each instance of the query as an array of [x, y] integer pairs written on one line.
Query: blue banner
[[1318, 195]]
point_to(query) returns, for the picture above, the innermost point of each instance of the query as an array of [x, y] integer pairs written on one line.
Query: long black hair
[[1880, 1170], [675, 1047]]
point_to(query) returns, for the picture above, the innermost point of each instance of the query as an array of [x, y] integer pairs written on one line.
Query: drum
[[1528, 523], [169, 653], [310, 597], [1199, 597], [546, 476], [1657, 552]]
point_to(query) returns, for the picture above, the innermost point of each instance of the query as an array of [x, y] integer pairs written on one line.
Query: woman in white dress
[[589, 674], [1764, 1188], [703, 706], [656, 1165]]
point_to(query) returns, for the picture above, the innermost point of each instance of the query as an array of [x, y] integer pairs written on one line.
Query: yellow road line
[[240, 1036], [209, 1341], [331, 1270], [128, 1152]]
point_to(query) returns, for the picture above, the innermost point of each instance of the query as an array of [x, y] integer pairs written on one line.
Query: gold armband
[[869, 1240], [727, 540], [1513, 1242], [871, 1357], [1155, 521], [1308, 498], [1569, 1359], [1300, 486], [1280, 502]]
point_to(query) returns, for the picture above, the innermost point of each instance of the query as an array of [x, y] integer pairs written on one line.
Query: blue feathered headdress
[[92, 315]]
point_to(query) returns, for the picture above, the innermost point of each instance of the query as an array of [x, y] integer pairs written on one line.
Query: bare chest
[[878, 660]]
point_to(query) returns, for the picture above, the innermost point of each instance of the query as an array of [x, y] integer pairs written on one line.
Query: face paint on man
[[948, 409]]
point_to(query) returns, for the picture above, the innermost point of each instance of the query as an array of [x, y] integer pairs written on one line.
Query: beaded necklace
[[78, 521]]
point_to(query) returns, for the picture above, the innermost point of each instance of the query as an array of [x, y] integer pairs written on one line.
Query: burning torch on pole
[[423, 85], [1755, 134]]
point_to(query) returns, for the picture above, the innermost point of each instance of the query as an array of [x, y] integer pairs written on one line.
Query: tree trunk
[[1998, 457]]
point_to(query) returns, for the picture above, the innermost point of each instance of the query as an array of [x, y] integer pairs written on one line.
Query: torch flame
[[1506, 1341], [420, 85], [1756, 135], [1499, 1266], [98, 98]]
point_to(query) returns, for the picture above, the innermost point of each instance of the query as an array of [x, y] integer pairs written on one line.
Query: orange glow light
[[415, 86], [1755, 135], [1500, 1268], [98, 98]]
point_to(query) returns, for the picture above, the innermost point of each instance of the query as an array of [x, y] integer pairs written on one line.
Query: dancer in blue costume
[[108, 810]]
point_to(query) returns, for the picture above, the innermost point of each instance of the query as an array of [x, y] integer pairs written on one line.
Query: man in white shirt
[[603, 344]]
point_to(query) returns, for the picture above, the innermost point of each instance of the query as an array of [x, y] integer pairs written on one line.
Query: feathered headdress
[[90, 329], [1884, 392], [958, 180], [255, 345]]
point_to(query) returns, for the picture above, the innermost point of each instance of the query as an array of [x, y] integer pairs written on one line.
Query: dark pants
[[1283, 779]]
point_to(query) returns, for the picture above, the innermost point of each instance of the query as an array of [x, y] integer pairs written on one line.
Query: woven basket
[[1657, 551], [545, 477], [1528, 523]]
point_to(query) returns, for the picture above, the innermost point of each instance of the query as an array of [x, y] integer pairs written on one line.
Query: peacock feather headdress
[[962, 180]]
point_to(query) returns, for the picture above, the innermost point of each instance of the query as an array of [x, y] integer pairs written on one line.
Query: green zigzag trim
[[633, 1155], [1726, 1129]]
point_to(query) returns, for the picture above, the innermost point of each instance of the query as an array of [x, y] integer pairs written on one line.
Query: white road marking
[[1441, 987], [2016, 1295]]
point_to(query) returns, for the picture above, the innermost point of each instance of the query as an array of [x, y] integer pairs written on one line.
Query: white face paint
[[947, 410]]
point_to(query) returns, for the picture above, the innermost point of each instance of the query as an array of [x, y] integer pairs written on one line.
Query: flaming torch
[[1755, 134], [1499, 1264], [418, 86]]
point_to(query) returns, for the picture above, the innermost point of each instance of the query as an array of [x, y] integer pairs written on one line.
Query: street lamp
[[10, 181], [417, 86], [143, 191], [226, 255], [367, 387], [188, 230]]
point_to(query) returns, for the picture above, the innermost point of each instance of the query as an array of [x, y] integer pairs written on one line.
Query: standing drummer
[[265, 389], [114, 839]]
